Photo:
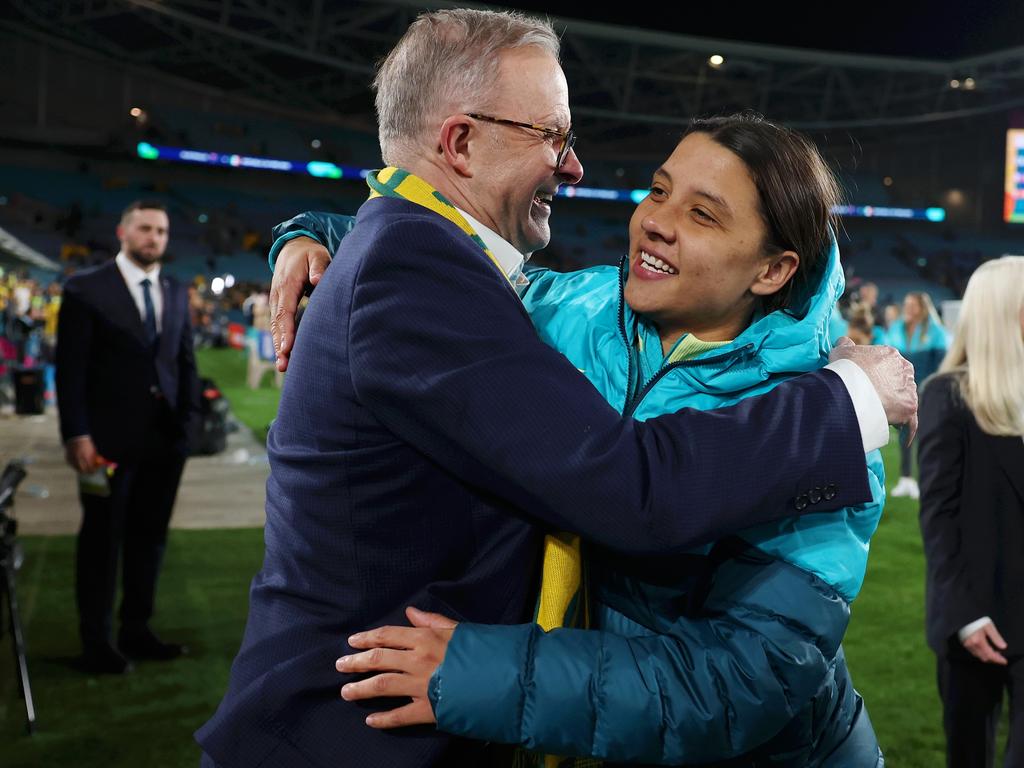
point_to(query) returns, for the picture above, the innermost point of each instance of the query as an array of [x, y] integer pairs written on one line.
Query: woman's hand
[[982, 645], [405, 658], [300, 265]]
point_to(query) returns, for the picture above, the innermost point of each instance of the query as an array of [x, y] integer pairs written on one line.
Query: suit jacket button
[[830, 492], [801, 502], [814, 495]]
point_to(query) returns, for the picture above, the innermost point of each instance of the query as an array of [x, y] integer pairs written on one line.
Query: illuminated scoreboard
[[1013, 192]]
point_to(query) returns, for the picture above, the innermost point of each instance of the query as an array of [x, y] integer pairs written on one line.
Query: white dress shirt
[[133, 276], [874, 427]]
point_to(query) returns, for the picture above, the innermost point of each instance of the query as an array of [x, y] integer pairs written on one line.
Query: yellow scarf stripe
[[394, 182], [691, 346], [560, 581], [562, 593]]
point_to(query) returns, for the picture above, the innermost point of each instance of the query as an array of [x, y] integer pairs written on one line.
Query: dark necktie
[[150, 321]]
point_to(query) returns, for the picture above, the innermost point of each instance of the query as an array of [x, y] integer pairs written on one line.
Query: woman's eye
[[703, 216], [656, 190]]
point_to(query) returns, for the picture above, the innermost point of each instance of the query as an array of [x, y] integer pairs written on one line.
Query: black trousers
[[972, 696], [130, 526]]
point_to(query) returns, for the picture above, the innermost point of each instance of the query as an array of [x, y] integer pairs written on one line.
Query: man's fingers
[[384, 684], [416, 713], [373, 660], [318, 263], [912, 427], [387, 637], [420, 618], [844, 341]]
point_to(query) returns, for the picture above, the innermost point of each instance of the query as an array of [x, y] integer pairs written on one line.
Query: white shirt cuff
[[973, 627], [874, 427]]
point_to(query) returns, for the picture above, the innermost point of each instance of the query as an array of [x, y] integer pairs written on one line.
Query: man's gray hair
[[447, 61]]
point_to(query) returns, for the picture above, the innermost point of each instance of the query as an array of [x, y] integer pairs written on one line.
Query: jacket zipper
[[632, 405]]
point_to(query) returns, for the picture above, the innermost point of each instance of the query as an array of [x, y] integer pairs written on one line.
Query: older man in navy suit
[[426, 436], [128, 393]]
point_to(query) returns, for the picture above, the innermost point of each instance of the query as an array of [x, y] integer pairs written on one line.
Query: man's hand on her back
[[892, 376], [300, 265]]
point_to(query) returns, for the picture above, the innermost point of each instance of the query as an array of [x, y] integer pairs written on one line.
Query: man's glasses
[[568, 138]]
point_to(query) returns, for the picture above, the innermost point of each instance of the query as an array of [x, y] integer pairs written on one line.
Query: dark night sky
[[936, 30]]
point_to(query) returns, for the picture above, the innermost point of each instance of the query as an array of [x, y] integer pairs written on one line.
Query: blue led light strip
[[325, 170]]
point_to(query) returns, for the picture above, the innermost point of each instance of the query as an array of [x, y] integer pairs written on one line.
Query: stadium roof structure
[[317, 57], [14, 253]]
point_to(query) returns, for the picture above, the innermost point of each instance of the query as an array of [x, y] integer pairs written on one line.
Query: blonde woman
[[972, 517], [919, 336]]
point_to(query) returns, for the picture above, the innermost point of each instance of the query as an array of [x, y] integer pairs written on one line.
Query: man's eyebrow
[[557, 119]]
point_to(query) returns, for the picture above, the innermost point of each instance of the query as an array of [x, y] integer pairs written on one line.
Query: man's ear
[[454, 143], [775, 273], [119, 232]]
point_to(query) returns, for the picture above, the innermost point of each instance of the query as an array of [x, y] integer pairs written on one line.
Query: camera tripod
[[13, 474]]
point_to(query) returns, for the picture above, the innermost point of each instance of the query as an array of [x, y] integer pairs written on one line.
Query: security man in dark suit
[[128, 393]]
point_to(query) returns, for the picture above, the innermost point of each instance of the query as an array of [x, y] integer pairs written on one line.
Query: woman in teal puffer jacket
[[730, 655]]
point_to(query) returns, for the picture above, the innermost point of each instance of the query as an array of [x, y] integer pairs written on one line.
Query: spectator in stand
[[920, 337], [890, 315], [972, 518], [868, 296], [860, 326]]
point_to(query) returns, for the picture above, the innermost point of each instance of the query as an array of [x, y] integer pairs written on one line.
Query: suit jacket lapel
[[168, 317], [1010, 455], [122, 309]]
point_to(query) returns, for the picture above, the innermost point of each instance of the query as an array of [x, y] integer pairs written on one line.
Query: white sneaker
[[906, 488]]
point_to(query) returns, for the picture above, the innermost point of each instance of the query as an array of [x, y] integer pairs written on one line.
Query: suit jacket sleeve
[[941, 458], [445, 356], [705, 689], [74, 341]]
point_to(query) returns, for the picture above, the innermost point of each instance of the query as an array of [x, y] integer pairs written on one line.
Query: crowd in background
[[29, 308]]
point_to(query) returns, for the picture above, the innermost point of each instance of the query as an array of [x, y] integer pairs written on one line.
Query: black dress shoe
[[105, 660], [145, 645]]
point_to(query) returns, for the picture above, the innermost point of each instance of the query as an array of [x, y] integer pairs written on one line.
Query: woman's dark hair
[[796, 189]]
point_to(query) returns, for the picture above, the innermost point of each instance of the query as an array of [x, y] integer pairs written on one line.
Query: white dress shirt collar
[[509, 259], [134, 274]]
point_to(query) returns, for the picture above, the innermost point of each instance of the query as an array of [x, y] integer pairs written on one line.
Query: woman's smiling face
[[696, 248]]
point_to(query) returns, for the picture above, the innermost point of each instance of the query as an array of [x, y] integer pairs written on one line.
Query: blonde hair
[[988, 349], [931, 316], [445, 62]]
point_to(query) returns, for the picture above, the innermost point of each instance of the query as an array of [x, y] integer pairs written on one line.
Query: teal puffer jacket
[[730, 655], [698, 661]]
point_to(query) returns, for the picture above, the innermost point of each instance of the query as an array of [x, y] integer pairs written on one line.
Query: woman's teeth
[[653, 264]]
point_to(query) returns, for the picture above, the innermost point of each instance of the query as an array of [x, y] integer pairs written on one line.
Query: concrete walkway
[[223, 491]]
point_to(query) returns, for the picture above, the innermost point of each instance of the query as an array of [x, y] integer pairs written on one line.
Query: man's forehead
[[149, 216], [533, 85]]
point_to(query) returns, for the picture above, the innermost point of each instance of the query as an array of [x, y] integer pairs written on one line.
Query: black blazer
[[972, 520], [107, 377], [424, 432]]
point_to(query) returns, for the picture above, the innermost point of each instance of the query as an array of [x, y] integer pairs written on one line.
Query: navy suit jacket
[[425, 439], [107, 375]]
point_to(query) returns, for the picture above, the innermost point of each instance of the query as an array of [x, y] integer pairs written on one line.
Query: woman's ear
[[455, 143], [775, 273]]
